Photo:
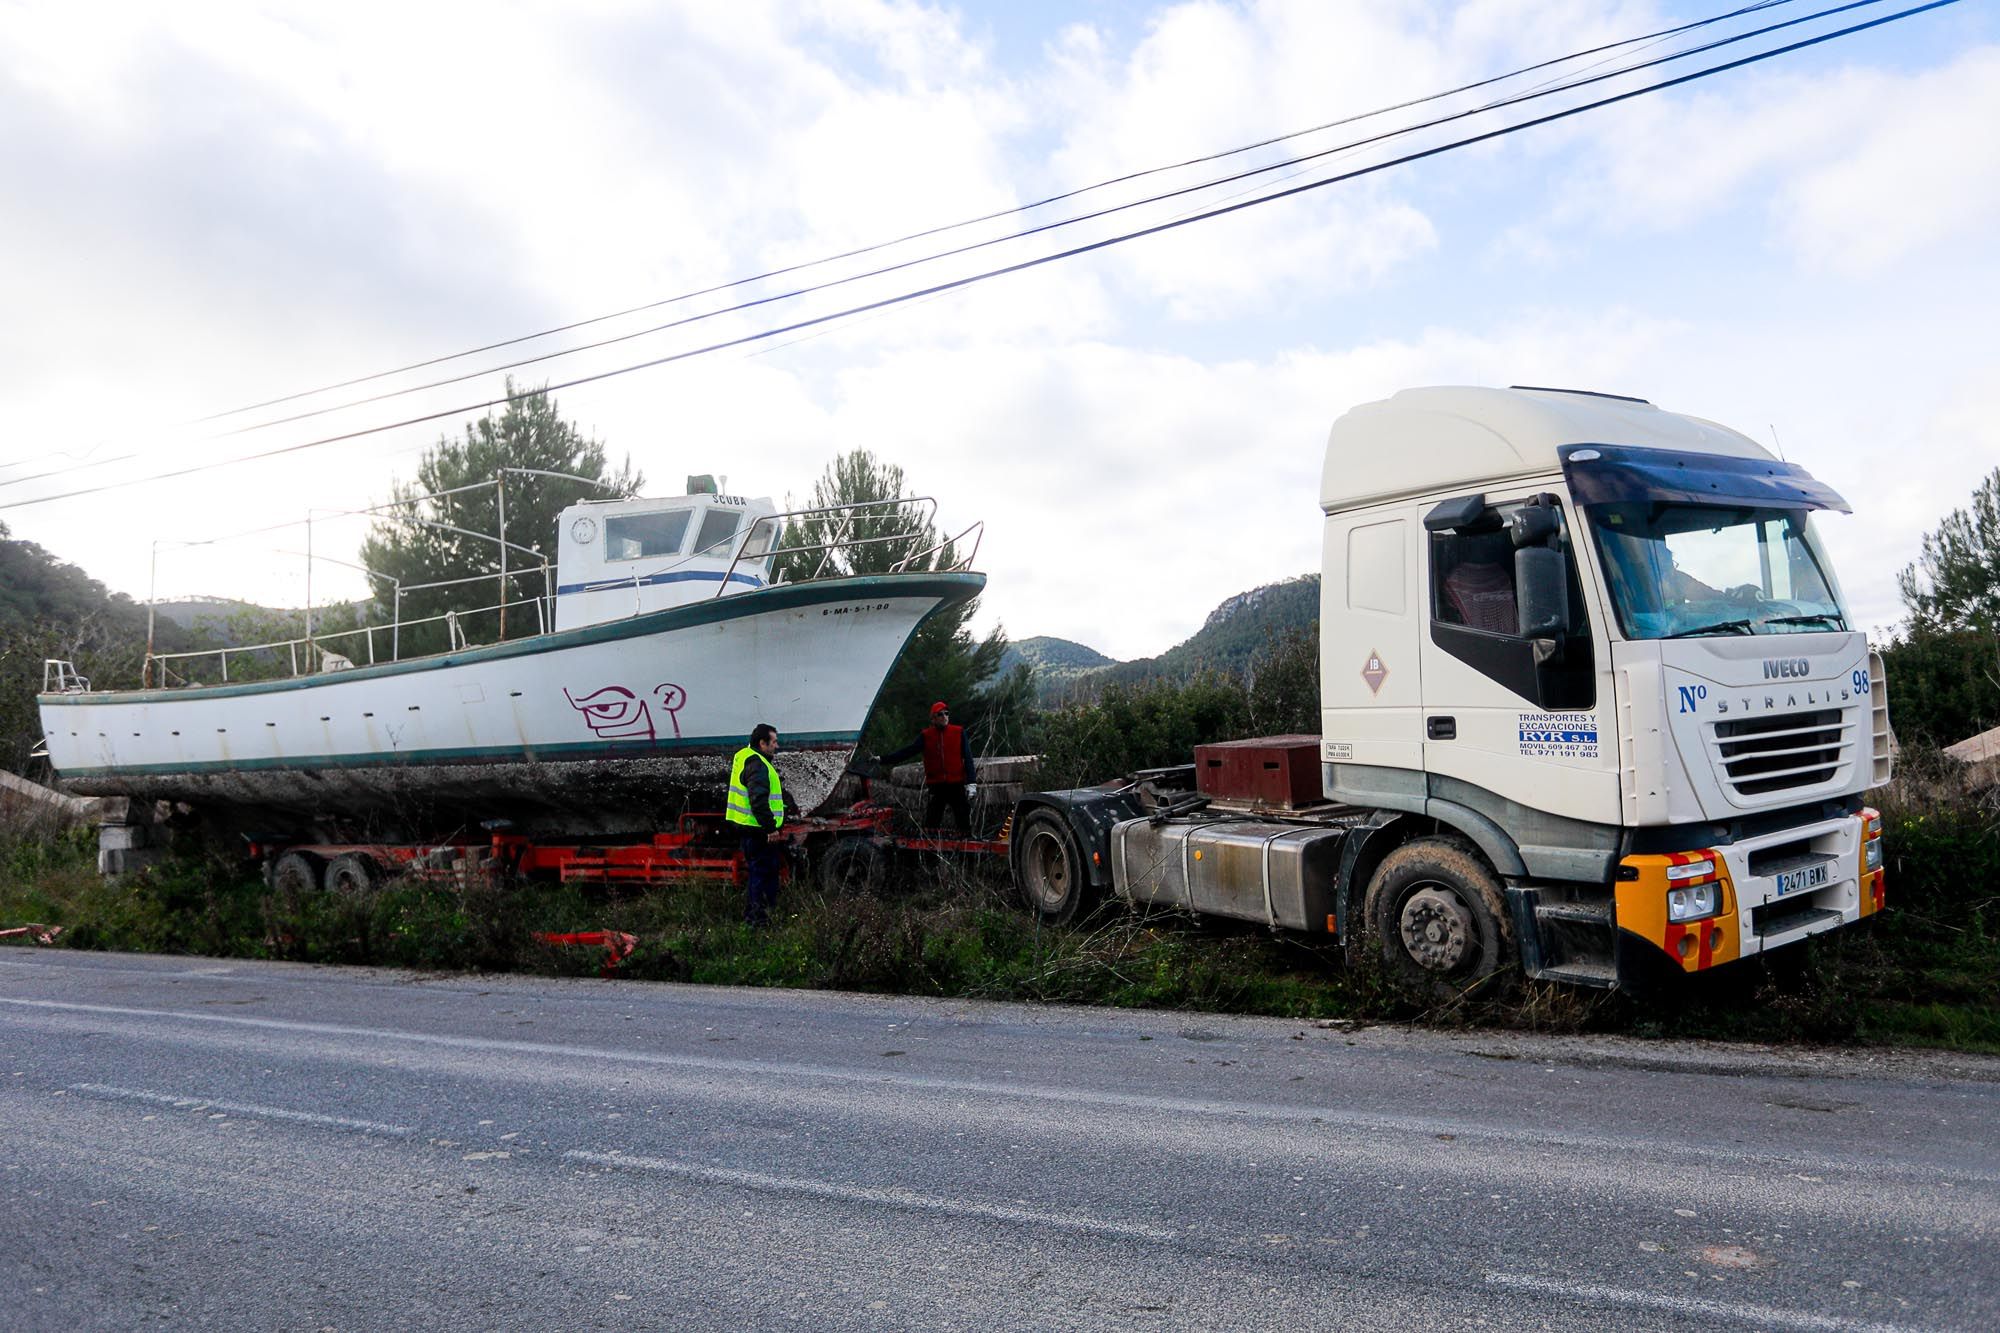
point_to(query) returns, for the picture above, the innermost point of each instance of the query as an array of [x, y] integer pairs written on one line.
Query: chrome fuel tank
[[1280, 874]]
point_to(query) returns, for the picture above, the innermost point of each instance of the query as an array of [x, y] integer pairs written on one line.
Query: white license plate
[[1798, 881]]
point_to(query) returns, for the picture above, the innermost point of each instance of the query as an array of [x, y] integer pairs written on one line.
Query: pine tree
[[452, 536], [943, 661]]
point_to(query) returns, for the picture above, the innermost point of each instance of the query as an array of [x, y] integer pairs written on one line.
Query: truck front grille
[[1782, 751]]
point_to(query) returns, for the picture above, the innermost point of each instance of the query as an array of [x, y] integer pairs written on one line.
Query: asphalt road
[[194, 1143]]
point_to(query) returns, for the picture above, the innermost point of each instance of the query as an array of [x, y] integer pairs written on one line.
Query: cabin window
[[717, 527], [1375, 579], [1475, 613], [1472, 576], [640, 536]]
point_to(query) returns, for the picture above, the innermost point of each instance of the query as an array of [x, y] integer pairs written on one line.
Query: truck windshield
[[1685, 570]]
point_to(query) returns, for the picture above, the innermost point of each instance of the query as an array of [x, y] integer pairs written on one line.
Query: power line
[[988, 217], [1540, 91], [1023, 265]]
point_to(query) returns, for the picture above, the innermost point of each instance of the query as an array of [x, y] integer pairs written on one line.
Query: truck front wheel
[[1440, 917], [1048, 866]]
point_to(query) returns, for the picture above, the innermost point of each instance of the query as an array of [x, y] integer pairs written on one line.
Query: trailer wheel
[[295, 873], [352, 873], [1440, 918], [851, 866], [1048, 866]]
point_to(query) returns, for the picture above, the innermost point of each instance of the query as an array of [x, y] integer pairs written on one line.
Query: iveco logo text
[[1786, 668]]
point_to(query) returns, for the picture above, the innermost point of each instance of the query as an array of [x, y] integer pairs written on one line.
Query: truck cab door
[[1371, 690], [1514, 716]]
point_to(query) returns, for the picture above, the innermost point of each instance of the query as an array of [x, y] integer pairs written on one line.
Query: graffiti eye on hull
[[614, 713]]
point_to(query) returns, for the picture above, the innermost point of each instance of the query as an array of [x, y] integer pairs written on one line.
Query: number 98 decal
[[1861, 682]]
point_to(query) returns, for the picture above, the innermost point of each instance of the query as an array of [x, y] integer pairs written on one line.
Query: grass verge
[[1926, 973]]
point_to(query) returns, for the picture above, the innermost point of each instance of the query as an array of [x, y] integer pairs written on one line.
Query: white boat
[[670, 641]]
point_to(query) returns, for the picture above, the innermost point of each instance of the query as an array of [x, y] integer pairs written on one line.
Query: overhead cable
[[1541, 91], [996, 215], [1026, 264]]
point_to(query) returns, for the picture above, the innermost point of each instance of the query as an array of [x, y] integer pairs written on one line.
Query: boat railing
[[309, 653], [846, 516], [977, 531], [59, 676], [319, 658]]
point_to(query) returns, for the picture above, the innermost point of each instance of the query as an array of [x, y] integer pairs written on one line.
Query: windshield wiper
[[1719, 627], [1807, 619]]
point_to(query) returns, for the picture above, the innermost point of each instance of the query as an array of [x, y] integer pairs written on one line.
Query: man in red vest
[[948, 769]]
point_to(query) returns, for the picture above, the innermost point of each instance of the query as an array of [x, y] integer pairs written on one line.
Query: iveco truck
[[1592, 706]]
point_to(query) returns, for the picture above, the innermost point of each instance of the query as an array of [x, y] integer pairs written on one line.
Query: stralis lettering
[[1809, 698], [1786, 668]]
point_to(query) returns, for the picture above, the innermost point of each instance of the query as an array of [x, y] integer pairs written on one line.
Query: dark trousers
[[760, 859], [939, 795]]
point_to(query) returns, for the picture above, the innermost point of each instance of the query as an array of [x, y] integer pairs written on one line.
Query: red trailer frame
[[695, 849]]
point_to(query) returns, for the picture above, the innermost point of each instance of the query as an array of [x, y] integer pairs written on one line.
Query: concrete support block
[[124, 810], [123, 837], [126, 860]]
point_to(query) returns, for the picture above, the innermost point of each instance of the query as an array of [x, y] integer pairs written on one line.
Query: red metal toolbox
[[1265, 770]]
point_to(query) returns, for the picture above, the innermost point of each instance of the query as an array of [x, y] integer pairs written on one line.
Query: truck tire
[[852, 865], [1440, 918], [295, 873], [352, 873], [1048, 866]]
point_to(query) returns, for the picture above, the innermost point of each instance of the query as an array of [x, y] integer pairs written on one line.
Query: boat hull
[[602, 728]]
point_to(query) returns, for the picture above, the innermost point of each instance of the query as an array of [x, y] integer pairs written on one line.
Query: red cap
[[940, 707]]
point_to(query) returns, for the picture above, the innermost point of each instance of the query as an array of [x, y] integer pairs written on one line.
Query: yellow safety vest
[[740, 811]]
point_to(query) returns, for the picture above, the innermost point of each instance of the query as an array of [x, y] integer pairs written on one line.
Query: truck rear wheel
[[853, 865], [352, 873], [1440, 917], [295, 873], [1048, 866]]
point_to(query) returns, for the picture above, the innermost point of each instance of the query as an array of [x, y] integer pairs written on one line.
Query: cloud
[[219, 203], [1850, 171]]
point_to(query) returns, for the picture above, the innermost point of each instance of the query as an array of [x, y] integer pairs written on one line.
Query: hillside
[[1231, 636], [1227, 641], [1046, 654], [49, 608]]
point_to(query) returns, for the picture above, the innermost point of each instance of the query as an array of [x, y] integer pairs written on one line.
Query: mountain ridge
[[1230, 637]]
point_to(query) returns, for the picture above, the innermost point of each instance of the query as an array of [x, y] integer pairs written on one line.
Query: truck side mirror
[[1541, 591], [1534, 524]]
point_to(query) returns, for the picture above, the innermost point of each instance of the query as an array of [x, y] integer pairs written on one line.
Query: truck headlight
[[1694, 903], [1871, 854]]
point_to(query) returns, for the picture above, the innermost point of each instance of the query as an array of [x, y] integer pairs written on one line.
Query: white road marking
[[1759, 1316], [1317, 1115], [891, 1198], [240, 1108]]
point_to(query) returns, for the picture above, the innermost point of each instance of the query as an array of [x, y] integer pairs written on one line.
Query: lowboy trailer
[[855, 848]]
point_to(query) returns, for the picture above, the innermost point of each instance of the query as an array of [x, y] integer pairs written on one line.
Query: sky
[[211, 205]]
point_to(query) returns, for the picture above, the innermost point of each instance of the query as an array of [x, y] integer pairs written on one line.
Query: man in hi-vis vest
[[757, 809]]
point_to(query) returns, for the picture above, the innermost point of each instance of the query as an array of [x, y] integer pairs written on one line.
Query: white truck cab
[[1601, 642], [1591, 703]]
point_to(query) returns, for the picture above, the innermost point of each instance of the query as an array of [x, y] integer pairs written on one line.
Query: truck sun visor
[[1610, 474]]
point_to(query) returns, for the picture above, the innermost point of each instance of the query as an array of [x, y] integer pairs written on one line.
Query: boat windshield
[[1686, 570]]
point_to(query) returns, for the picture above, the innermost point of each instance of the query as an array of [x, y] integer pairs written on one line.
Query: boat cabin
[[619, 558]]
